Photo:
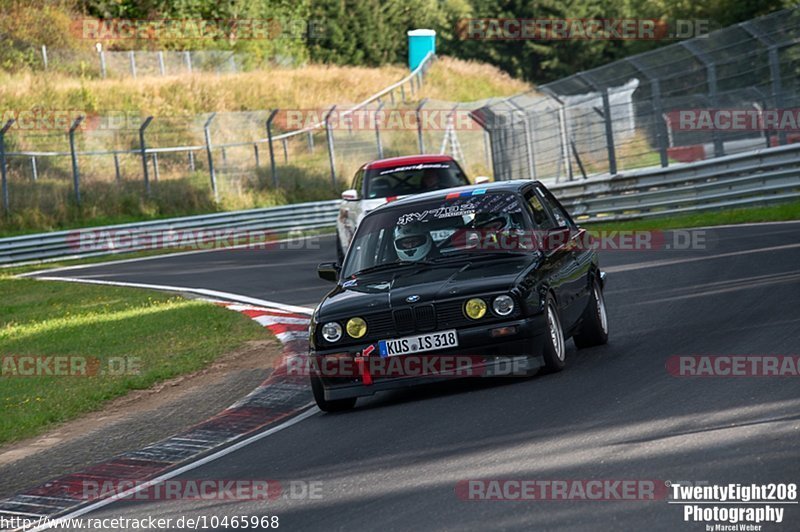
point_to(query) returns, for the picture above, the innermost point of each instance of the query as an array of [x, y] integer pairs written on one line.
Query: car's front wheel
[[554, 352], [336, 405], [594, 323]]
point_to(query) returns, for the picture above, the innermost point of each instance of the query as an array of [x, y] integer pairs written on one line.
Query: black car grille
[[419, 318]]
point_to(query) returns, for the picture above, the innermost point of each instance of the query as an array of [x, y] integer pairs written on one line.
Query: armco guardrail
[[758, 177], [203, 230]]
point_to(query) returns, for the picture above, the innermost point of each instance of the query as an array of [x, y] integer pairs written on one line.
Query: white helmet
[[411, 242]]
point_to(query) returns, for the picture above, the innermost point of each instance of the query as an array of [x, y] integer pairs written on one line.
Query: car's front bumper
[[513, 355]]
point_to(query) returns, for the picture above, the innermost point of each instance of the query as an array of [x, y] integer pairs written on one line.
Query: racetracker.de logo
[[560, 490], [194, 29], [68, 366], [429, 119], [734, 119], [592, 29], [733, 365]]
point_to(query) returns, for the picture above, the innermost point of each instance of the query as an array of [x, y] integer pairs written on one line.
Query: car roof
[[406, 160], [499, 186]]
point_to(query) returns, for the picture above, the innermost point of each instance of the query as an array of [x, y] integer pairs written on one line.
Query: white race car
[[386, 180]]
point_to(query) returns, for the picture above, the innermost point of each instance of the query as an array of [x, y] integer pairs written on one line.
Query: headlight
[[503, 305], [356, 327], [332, 331], [475, 308]]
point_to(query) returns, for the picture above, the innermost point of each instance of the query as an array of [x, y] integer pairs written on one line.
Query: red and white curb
[[280, 401]]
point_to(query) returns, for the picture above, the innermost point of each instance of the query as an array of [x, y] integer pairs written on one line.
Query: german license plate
[[418, 343]]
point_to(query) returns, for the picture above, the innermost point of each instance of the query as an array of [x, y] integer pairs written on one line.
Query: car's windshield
[[430, 231], [413, 179]]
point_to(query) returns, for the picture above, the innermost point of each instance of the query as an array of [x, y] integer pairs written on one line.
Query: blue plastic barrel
[[420, 44]]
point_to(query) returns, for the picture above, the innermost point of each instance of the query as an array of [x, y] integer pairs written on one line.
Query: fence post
[[207, 134], [529, 155], [402, 93], [34, 170], [161, 67], [132, 56], [224, 159], [271, 148], [76, 178], [711, 75], [155, 167], [143, 152], [329, 137], [311, 141], [191, 161], [44, 56], [658, 112], [187, 57], [117, 175], [255, 152], [612, 153], [3, 167], [285, 151], [378, 131], [420, 137], [774, 72], [102, 55]]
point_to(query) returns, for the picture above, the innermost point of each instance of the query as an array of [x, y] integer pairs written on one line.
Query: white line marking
[[188, 467], [200, 291], [137, 259], [671, 262]]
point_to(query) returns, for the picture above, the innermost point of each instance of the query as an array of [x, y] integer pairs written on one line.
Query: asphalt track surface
[[613, 413]]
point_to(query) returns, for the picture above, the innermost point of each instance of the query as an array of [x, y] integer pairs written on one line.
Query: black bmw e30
[[475, 280]]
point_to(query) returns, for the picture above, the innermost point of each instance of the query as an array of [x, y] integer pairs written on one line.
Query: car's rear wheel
[[554, 351], [339, 249], [336, 405], [594, 322]]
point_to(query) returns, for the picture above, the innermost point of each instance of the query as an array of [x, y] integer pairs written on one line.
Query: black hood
[[389, 289]]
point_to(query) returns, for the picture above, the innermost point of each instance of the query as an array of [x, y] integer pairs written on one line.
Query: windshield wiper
[[391, 265]]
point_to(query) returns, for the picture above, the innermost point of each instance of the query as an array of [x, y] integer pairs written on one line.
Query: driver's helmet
[[412, 242]]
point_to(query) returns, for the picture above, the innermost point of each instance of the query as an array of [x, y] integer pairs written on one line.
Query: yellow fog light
[[356, 327], [475, 308]]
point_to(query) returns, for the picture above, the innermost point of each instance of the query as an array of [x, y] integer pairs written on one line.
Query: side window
[[358, 181], [562, 218], [539, 214]]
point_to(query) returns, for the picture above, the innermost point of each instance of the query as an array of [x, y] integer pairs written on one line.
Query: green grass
[[165, 335], [771, 213]]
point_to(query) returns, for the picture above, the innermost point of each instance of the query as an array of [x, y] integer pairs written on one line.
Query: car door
[[557, 262], [578, 259]]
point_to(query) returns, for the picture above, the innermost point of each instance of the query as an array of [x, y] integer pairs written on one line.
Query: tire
[[554, 351], [337, 405], [339, 250], [593, 330]]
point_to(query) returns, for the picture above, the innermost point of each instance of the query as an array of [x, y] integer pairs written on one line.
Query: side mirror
[[482, 180], [556, 238], [350, 195], [329, 271]]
